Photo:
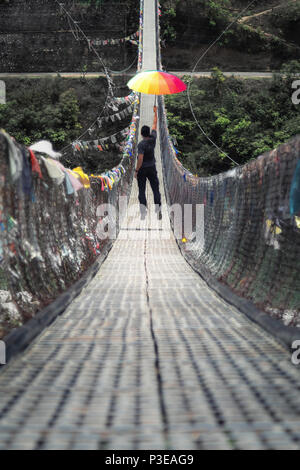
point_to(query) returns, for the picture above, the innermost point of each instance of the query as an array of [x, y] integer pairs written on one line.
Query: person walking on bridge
[[146, 168]]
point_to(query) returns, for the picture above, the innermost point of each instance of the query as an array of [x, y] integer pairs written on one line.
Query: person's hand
[[155, 109]]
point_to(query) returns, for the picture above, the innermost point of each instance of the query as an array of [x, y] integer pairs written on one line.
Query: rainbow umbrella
[[156, 82]]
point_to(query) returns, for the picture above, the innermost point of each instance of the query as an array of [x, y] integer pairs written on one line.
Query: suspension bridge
[[150, 355]]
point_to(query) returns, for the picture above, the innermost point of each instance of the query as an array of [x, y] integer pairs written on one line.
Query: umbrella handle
[[155, 100]]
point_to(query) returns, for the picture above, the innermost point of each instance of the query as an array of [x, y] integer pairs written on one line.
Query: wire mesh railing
[[251, 227], [250, 238], [49, 235], [51, 229]]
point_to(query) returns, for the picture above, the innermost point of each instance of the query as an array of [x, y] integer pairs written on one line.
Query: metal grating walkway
[[148, 357]]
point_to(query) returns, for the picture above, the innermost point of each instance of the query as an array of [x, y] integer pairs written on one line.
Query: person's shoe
[[143, 210], [158, 211]]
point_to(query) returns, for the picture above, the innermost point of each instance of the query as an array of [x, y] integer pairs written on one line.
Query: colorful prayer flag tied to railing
[[247, 232], [115, 42], [22, 166], [124, 99], [49, 216], [102, 143], [115, 117], [114, 104]]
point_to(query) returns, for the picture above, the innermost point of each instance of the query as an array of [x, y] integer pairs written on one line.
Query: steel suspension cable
[[193, 71], [91, 47]]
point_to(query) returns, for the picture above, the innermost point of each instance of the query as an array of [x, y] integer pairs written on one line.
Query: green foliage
[[45, 111], [188, 23], [287, 16], [95, 3], [59, 110], [291, 68], [168, 21], [244, 118], [217, 11]]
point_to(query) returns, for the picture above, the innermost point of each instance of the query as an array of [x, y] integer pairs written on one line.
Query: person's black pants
[[150, 174]]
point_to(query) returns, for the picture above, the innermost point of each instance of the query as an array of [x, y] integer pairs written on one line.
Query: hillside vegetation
[[60, 110], [254, 42], [244, 118]]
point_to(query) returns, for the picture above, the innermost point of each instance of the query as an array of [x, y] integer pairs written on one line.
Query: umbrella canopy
[[156, 82]]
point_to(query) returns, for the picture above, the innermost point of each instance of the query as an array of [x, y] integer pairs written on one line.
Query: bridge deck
[[149, 357]]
